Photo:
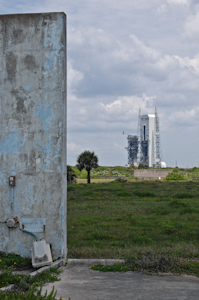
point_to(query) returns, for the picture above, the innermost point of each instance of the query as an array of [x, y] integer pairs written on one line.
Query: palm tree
[[87, 160]]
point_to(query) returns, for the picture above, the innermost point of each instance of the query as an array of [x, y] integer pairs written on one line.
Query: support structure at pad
[[33, 132]]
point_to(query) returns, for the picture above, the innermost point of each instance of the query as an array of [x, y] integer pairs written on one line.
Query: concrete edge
[[55, 264], [70, 262], [7, 288], [91, 262]]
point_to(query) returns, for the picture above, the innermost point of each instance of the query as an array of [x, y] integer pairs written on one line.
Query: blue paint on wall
[[13, 172], [12, 143], [60, 23], [2, 174], [27, 87], [46, 115], [49, 85], [47, 148], [50, 62], [56, 242], [57, 151], [29, 192], [16, 202]]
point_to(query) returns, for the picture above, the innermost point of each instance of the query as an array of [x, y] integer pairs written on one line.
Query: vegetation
[[25, 286], [31, 294], [128, 219], [143, 166], [8, 277], [153, 265], [118, 171], [87, 160], [175, 176], [106, 172], [13, 260], [71, 176]]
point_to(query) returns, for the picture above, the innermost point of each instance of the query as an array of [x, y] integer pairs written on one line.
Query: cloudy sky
[[122, 56]]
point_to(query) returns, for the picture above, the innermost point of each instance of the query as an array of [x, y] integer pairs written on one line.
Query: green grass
[[125, 219]]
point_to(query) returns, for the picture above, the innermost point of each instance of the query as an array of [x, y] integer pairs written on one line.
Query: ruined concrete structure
[[152, 173], [33, 131]]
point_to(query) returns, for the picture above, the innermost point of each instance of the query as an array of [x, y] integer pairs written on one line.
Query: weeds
[[31, 294], [175, 176], [14, 260], [151, 264], [7, 277], [23, 283]]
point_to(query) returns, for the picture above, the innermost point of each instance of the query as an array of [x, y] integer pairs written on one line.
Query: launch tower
[[145, 146]]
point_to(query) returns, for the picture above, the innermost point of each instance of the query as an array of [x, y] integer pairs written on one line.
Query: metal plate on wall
[[33, 225]]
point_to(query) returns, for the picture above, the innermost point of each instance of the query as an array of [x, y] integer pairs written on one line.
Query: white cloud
[[191, 63], [162, 9], [146, 52], [73, 77], [128, 107], [178, 2], [73, 147], [186, 117], [191, 27]]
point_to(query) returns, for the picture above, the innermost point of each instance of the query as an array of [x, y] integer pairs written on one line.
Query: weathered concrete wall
[[33, 128], [154, 173]]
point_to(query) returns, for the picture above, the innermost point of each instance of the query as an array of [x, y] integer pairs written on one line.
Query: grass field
[[128, 219], [103, 180]]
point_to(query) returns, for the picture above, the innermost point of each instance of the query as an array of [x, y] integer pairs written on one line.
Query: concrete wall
[[33, 129], [155, 173]]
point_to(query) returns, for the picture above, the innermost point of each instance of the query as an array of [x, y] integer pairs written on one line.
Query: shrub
[[143, 166], [71, 176], [175, 176], [195, 170], [119, 179]]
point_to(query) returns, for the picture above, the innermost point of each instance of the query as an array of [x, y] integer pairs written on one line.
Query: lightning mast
[[157, 140], [139, 135]]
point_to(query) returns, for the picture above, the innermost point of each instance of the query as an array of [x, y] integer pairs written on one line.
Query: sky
[[122, 56]]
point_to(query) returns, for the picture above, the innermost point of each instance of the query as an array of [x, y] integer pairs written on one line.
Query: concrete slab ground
[[81, 283]]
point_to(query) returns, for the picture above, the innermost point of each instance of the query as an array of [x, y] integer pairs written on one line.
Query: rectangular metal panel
[[33, 225]]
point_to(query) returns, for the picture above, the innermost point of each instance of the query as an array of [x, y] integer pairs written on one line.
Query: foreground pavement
[[81, 283]]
